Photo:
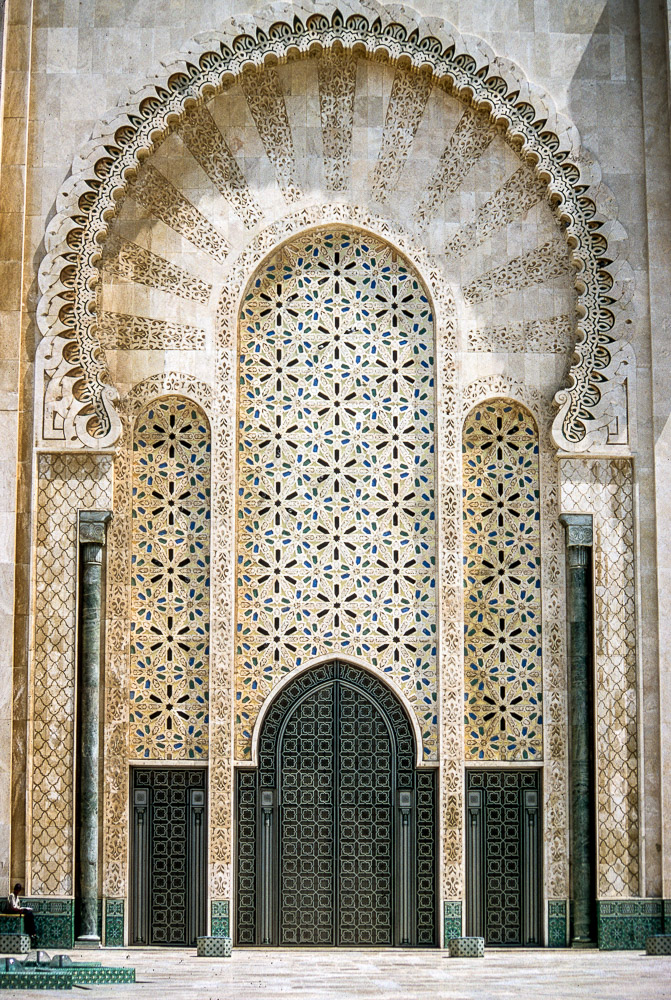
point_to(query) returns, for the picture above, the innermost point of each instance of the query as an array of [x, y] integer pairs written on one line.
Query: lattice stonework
[[170, 582], [605, 489], [65, 484], [336, 510], [502, 584]]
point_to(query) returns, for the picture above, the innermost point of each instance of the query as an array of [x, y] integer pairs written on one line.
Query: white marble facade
[[152, 161]]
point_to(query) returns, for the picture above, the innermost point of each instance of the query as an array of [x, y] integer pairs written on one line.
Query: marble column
[[92, 528], [579, 538]]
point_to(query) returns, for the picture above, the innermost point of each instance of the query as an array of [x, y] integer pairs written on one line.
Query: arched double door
[[336, 827]]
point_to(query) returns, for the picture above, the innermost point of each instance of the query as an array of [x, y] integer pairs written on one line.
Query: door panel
[[306, 822], [503, 856], [365, 819], [168, 856]]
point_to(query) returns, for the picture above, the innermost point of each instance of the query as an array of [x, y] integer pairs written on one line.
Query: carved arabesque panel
[[75, 403]]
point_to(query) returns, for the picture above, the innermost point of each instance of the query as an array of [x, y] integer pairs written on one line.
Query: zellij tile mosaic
[[336, 508]]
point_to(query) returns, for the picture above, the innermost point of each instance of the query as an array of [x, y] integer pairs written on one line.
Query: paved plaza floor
[[256, 974]]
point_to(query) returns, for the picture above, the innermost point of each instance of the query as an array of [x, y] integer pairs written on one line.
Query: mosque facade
[[335, 564]]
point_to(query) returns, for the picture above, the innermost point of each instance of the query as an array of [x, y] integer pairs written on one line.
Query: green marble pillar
[[581, 713], [92, 527]]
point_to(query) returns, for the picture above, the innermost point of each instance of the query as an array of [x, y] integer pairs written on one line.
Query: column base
[[87, 941]]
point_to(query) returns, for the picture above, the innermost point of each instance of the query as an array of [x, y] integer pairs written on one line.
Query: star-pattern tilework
[[170, 582], [336, 509], [502, 584]]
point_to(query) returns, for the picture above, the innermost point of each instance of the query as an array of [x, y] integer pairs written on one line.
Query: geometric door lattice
[[168, 855], [336, 828], [503, 856]]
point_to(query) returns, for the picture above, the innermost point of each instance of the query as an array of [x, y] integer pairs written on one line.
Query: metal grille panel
[[336, 828], [168, 905], [306, 822], [365, 818], [503, 856]]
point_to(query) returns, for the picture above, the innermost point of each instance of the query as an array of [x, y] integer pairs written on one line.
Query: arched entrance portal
[[336, 827]]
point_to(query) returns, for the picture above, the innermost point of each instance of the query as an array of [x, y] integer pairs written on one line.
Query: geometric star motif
[[170, 582], [502, 584], [336, 512]]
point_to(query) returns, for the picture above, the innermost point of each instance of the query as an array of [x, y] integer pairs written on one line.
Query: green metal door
[[503, 856], [336, 833]]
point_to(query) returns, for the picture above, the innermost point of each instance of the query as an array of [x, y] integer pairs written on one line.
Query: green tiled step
[[62, 974], [658, 944]]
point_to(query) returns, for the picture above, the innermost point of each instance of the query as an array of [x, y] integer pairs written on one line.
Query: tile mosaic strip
[[114, 923], [626, 924], [557, 923]]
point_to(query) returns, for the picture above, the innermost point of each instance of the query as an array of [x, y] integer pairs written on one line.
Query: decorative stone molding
[[77, 405]]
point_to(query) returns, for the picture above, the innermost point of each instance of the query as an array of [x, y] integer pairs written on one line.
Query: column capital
[[92, 525], [579, 530]]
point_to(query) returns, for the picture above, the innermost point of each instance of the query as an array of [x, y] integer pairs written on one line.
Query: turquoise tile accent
[[557, 929], [221, 918], [624, 924], [11, 923], [451, 920], [54, 921], [48, 979], [114, 923], [667, 916]]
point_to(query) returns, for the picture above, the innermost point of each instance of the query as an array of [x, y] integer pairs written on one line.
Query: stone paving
[[312, 974]]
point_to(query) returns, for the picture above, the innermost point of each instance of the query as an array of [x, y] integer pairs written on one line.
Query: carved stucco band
[[579, 540], [76, 403]]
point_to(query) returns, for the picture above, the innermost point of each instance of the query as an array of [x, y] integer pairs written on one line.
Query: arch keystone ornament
[[76, 398]]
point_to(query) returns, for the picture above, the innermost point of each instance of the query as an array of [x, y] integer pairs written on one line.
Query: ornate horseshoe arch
[[75, 399]]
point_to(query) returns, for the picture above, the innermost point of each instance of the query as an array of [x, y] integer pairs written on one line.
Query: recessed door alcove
[[336, 827]]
